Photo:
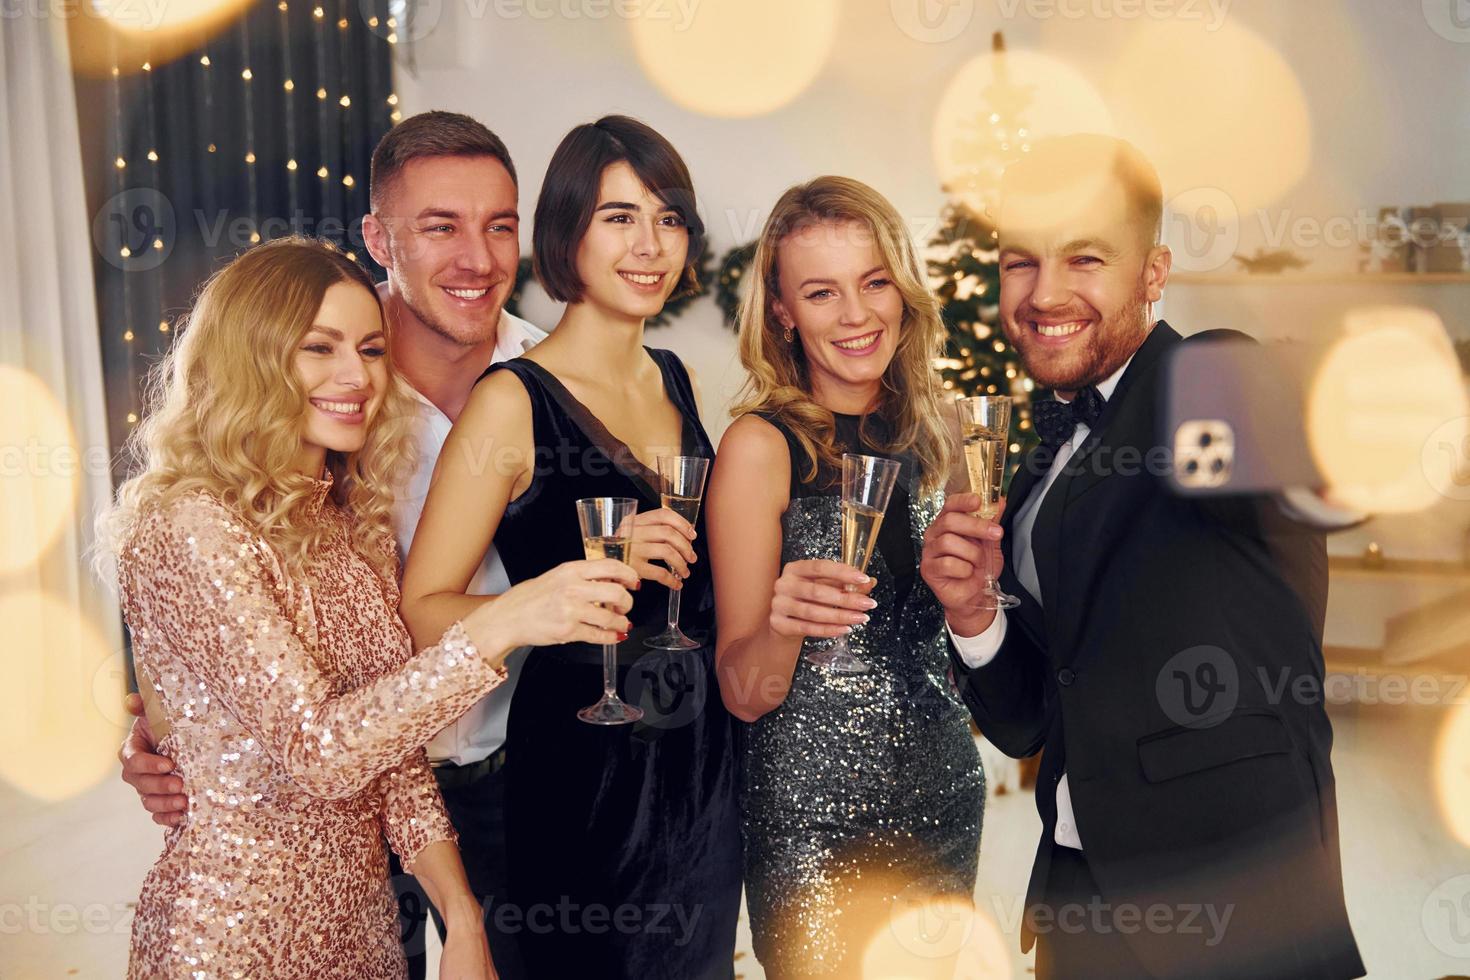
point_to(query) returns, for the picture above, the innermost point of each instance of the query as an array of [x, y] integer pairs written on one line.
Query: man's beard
[[1107, 347], [438, 327]]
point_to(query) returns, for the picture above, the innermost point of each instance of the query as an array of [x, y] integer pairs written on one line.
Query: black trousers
[[477, 809], [1077, 937]]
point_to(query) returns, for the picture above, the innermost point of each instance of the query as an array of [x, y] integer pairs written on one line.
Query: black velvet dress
[[624, 840]]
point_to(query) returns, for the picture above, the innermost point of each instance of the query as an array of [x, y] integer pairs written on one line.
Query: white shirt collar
[[1107, 386]]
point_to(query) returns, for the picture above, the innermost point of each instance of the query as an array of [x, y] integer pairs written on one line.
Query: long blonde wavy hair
[[777, 382], [226, 413]]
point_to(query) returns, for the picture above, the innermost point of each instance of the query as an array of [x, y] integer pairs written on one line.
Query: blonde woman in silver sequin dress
[[257, 571], [861, 795]]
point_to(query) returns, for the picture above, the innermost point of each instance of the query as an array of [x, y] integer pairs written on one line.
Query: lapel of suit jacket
[[1064, 611]]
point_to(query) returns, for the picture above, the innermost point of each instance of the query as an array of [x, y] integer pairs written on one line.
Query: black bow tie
[[1055, 421]]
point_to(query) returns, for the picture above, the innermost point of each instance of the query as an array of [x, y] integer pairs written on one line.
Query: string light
[[128, 336], [322, 173], [212, 148], [125, 252], [163, 326], [352, 256], [372, 22], [348, 181], [204, 60], [395, 115], [321, 93], [132, 418], [290, 164], [282, 6], [393, 98], [392, 22], [116, 71], [345, 101], [392, 38], [158, 244], [250, 157], [152, 156], [318, 13], [254, 237], [120, 163], [147, 66], [342, 24], [289, 85], [247, 74]]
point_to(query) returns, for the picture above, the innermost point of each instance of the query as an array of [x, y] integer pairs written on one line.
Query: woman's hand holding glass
[[812, 598], [662, 536], [575, 602]]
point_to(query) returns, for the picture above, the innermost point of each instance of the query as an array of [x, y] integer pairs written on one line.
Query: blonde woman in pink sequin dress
[[259, 581]]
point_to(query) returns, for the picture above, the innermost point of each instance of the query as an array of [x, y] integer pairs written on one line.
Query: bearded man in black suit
[[1166, 652]]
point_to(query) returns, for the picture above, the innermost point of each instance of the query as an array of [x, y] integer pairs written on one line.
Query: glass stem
[[610, 671], [674, 595]]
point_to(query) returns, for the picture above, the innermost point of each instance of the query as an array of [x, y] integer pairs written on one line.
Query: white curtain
[[61, 679]]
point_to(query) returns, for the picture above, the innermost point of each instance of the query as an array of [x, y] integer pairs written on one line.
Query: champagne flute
[[867, 483], [681, 488], [607, 532], [985, 427]]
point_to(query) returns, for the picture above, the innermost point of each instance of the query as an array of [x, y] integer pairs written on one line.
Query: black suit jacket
[[1175, 674]]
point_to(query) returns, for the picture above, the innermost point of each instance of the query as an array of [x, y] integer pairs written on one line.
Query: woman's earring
[[790, 335]]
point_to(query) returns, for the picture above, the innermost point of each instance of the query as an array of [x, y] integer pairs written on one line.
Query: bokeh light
[[1382, 391], [1452, 773], [55, 740], [40, 469], [735, 58], [1215, 109], [996, 105], [939, 938]]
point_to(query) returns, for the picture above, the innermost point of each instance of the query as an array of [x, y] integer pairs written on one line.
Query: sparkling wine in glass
[[985, 429], [867, 483], [607, 532], [681, 488]]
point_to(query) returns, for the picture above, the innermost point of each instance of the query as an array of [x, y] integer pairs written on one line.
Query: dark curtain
[[264, 129]]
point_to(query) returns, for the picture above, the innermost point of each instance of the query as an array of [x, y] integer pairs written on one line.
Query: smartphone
[[1233, 416]]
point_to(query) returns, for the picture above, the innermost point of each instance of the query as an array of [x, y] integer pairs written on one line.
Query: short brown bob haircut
[[431, 134], [569, 197]]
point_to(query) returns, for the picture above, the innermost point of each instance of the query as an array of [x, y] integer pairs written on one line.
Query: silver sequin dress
[[296, 710], [859, 790]]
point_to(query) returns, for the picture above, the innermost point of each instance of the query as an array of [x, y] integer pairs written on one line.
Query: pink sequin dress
[[297, 710]]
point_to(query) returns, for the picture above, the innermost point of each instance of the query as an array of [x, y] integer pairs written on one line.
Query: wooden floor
[[69, 872]]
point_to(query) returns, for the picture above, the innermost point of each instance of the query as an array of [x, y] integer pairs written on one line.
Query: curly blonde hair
[[778, 383], [226, 413]]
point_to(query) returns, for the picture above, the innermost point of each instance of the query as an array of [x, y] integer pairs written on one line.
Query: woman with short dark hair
[[626, 851]]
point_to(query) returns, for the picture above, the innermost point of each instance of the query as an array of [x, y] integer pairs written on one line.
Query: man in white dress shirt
[[445, 225], [1187, 801]]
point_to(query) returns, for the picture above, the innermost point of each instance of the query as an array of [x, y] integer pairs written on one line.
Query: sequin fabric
[[860, 792], [296, 710]]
